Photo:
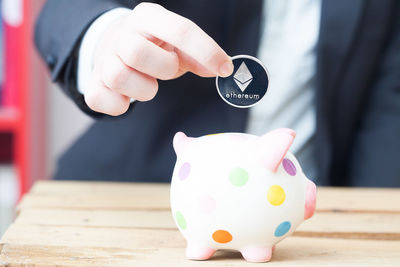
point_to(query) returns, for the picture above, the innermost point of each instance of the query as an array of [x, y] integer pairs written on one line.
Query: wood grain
[[96, 201], [109, 237], [126, 224], [379, 200], [364, 225], [97, 195], [293, 251]]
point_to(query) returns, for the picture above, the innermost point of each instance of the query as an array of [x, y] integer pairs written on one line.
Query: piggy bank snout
[[311, 194]]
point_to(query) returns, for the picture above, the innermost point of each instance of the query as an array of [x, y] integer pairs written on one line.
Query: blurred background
[[32, 131]]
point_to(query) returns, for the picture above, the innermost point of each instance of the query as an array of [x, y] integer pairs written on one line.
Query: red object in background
[[15, 75], [6, 144], [22, 111]]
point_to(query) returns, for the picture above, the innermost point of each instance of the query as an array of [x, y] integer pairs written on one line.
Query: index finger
[[184, 35]]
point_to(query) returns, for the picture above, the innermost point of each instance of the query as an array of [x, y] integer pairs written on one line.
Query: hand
[[148, 44]]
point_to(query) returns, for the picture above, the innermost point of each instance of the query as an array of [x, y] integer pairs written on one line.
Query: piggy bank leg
[[197, 252], [257, 254]]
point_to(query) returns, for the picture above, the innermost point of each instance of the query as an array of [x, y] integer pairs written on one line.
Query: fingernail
[[226, 69]]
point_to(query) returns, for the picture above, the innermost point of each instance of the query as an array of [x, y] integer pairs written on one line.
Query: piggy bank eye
[[289, 167]]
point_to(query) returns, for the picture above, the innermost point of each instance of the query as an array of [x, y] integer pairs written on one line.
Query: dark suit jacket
[[357, 92]]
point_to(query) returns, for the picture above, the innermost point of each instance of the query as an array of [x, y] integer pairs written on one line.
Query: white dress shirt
[[288, 50]]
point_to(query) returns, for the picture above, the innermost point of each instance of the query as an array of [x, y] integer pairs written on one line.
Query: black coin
[[247, 85]]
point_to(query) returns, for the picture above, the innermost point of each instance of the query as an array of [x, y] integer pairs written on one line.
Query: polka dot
[[222, 236], [180, 220], [282, 229], [207, 204], [289, 167], [184, 171], [213, 134], [238, 176], [276, 195]]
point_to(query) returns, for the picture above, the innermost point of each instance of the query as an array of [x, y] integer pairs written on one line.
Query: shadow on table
[[285, 254]]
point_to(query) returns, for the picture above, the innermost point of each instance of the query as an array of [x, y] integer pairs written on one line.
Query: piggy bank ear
[[180, 141], [275, 145]]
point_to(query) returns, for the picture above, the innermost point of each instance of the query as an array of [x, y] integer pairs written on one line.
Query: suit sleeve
[[58, 33], [375, 156]]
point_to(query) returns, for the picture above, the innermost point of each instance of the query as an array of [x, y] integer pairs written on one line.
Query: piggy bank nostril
[[310, 200]]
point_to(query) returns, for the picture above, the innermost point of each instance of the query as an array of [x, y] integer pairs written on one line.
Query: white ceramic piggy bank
[[238, 191]]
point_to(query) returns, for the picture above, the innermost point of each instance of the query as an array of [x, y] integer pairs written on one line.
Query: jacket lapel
[[339, 22]]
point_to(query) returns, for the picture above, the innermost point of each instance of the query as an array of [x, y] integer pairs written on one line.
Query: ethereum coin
[[247, 85]]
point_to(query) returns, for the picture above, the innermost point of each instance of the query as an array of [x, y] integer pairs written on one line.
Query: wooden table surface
[[114, 224]]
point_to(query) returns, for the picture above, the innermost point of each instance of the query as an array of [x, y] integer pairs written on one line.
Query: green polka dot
[[238, 176], [180, 220]]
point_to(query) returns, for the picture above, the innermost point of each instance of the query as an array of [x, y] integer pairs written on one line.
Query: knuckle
[[114, 77], [149, 92], [184, 30], [92, 99], [119, 109], [144, 7], [210, 56], [171, 70], [137, 54], [175, 66], [140, 7]]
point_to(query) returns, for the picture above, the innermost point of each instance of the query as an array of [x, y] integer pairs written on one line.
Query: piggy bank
[[238, 191]]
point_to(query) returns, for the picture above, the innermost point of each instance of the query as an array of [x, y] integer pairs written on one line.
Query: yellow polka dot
[[213, 134], [276, 195]]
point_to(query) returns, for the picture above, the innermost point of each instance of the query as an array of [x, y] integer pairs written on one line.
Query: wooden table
[[113, 224]]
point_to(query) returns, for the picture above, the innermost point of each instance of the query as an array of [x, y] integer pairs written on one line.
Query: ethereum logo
[[243, 77]]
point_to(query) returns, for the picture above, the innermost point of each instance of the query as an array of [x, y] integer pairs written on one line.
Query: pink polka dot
[[207, 204], [184, 171], [289, 167]]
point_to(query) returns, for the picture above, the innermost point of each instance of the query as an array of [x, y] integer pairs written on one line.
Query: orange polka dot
[[222, 236]]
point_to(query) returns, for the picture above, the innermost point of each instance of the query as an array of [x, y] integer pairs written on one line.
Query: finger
[[186, 63], [139, 53], [189, 64], [101, 99], [184, 35], [126, 81]]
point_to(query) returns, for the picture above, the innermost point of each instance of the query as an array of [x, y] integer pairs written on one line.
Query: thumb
[[189, 64]]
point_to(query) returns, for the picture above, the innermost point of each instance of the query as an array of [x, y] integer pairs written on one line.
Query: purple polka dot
[[184, 171], [289, 167]]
